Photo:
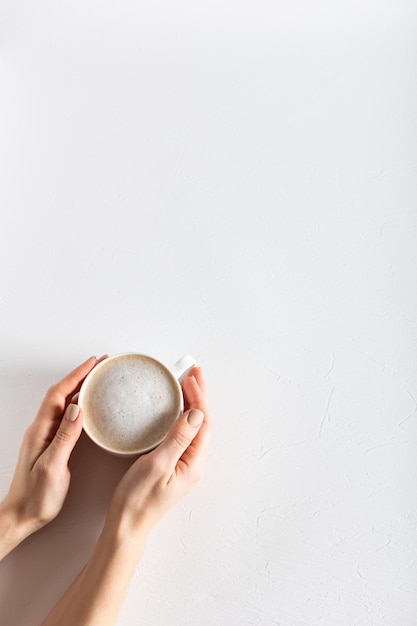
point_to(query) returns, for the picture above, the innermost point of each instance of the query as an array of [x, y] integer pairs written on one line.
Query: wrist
[[123, 535], [13, 527]]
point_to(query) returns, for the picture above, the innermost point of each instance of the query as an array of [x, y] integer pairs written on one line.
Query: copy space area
[[236, 181]]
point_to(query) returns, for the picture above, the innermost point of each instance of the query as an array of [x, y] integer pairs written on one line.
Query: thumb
[[180, 436], [67, 435]]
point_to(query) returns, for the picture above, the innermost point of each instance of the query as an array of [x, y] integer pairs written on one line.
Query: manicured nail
[[195, 417], [72, 412]]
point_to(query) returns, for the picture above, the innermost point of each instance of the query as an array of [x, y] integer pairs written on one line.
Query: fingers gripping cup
[[129, 402]]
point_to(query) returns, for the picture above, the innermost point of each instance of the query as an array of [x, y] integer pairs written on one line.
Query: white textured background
[[236, 180]]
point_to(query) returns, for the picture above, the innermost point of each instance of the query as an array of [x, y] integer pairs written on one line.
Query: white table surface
[[236, 180]]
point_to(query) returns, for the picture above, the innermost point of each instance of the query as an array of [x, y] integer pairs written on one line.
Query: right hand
[[159, 479]]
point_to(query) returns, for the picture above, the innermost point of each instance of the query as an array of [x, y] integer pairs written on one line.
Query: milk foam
[[130, 403]]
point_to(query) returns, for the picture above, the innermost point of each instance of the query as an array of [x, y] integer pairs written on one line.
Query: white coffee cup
[[130, 400]]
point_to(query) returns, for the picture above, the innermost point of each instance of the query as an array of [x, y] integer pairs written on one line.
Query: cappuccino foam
[[130, 403]]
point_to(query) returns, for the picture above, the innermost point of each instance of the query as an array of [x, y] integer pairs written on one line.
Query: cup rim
[[89, 376]]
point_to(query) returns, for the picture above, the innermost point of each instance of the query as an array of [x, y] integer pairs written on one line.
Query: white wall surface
[[236, 180]]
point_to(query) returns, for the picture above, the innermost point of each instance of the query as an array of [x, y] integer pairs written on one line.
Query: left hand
[[42, 477]]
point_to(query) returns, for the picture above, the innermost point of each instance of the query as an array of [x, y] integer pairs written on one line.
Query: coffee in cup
[[129, 402]]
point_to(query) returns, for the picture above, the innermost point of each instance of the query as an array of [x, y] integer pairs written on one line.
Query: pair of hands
[[152, 485]]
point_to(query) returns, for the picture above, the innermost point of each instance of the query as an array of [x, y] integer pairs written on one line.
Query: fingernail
[[72, 412], [195, 417]]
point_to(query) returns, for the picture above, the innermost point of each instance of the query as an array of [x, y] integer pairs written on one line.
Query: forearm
[[94, 598]]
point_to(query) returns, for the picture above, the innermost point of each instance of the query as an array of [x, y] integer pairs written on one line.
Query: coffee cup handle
[[183, 366]]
